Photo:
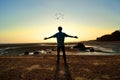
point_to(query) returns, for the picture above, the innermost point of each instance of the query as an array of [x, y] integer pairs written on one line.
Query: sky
[[30, 21]]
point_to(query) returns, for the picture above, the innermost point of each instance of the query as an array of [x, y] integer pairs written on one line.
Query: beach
[[44, 67], [102, 64], [101, 48], [59, 39]]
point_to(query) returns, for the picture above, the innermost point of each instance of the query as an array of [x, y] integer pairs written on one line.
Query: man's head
[[60, 28]]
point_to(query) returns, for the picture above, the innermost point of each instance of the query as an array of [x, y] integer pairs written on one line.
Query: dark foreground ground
[[44, 67]]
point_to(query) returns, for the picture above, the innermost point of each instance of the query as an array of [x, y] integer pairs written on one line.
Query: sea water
[[99, 50]]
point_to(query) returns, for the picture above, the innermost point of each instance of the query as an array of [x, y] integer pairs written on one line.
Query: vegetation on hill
[[115, 36]]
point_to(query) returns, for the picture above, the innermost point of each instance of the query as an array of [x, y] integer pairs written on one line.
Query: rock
[[92, 50], [80, 46], [36, 52]]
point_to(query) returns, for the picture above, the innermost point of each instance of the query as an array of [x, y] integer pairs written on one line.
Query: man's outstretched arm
[[49, 37], [71, 36]]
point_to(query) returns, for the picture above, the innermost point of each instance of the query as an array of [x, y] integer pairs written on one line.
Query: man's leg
[[64, 55], [58, 54]]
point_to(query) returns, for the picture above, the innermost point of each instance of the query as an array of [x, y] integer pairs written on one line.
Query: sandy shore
[[44, 67], [19, 49]]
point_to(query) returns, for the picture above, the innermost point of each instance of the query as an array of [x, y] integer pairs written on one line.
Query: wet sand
[[44, 67], [18, 49]]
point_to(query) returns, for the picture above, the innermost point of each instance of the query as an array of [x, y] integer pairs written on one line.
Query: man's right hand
[[45, 38]]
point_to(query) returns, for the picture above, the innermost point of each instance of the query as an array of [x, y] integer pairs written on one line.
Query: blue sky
[[32, 20]]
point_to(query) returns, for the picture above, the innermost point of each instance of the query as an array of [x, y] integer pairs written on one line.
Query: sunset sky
[[30, 21]]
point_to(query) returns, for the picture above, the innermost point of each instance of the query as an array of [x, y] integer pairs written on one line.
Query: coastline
[[20, 49]]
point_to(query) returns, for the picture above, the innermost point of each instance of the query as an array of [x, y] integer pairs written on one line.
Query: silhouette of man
[[60, 42]]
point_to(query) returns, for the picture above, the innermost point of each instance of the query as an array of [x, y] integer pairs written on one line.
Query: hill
[[114, 36]]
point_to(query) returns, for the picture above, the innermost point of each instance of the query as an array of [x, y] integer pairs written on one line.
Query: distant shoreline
[[89, 43]]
